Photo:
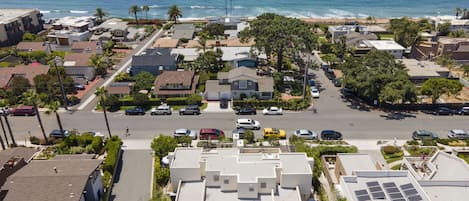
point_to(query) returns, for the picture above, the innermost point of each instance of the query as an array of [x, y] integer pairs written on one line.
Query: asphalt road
[[134, 181]]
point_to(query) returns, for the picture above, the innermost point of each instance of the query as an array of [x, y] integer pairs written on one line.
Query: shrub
[[76, 150], [194, 99], [185, 140], [183, 40], [412, 142], [249, 136], [162, 145], [34, 140], [428, 142], [390, 149], [112, 147]]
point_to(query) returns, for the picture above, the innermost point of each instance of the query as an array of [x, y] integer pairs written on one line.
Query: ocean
[[196, 9]]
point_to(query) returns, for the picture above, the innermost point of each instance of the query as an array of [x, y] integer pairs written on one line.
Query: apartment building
[[15, 22]]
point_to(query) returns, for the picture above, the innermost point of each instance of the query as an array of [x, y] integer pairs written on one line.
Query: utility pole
[[58, 62], [1, 140], [9, 130], [4, 131]]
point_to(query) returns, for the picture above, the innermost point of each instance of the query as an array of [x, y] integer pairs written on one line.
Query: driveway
[[134, 179], [214, 106]]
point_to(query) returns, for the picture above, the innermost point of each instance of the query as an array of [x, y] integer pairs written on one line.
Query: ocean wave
[[202, 7], [337, 13], [238, 7], [154, 6], [78, 11], [44, 11]]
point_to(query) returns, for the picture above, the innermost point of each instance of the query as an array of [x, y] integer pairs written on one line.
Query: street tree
[[133, 10], [101, 94], [377, 76], [280, 36], [435, 87], [174, 13], [100, 14], [330, 58], [162, 145], [30, 97]]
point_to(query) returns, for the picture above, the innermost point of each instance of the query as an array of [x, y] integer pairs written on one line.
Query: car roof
[[458, 131], [304, 130], [181, 130], [244, 120], [163, 107]]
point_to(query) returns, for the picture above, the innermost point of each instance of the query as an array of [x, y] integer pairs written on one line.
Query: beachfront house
[[15, 22], [69, 29], [112, 29], [389, 46], [341, 30]]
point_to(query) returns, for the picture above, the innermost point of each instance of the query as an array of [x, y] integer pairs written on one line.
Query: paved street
[[134, 181]]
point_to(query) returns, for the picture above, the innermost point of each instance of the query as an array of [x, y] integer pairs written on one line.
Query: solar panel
[[407, 186], [364, 198], [389, 185], [376, 188], [361, 192], [395, 195], [391, 190], [410, 192], [378, 195], [372, 183], [414, 198]]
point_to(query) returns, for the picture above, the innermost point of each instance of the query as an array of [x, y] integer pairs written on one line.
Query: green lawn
[[396, 167], [386, 36], [393, 157]]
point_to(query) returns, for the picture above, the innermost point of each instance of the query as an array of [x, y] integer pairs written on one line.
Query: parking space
[[214, 106]]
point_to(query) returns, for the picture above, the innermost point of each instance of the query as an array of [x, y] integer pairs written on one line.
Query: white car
[[306, 134], [458, 134], [314, 92], [272, 111], [185, 132], [248, 124]]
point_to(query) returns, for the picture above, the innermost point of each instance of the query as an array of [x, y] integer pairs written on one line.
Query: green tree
[[445, 60], [406, 31], [19, 85], [207, 62], [249, 136], [203, 41], [162, 145], [143, 81], [29, 37], [54, 107], [99, 63], [457, 34], [100, 14], [174, 13], [443, 29], [465, 69], [400, 90], [141, 100], [330, 58], [279, 35], [194, 99], [214, 29], [146, 8], [40, 83], [133, 10], [32, 98], [101, 94], [435, 87]]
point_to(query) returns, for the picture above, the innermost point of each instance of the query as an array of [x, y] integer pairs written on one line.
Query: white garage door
[[212, 96], [225, 95]]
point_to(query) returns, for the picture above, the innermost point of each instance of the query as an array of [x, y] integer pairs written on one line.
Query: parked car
[[458, 134], [248, 124], [135, 111], [57, 134], [223, 103], [314, 92], [246, 110], [23, 110], [441, 111], [240, 132], [463, 111], [272, 111], [311, 83], [190, 109], [424, 135], [161, 110], [330, 74], [210, 134], [79, 86], [306, 134], [185, 132], [274, 132], [331, 135], [337, 82], [4, 111]]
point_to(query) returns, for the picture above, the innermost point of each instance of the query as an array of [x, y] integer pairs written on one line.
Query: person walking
[[127, 134]]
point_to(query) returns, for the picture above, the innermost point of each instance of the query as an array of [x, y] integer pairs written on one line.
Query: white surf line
[[126, 64]]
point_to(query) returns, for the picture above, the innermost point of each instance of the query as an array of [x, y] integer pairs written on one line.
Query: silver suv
[[161, 110]]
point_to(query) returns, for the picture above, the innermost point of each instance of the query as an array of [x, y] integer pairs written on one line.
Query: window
[[243, 84], [251, 189], [216, 178], [226, 181], [263, 185]]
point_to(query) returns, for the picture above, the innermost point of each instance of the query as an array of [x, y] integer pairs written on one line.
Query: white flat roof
[[354, 162], [8, 15], [423, 68], [383, 44], [294, 163], [187, 158], [215, 194], [190, 54], [449, 167], [193, 190], [447, 193]]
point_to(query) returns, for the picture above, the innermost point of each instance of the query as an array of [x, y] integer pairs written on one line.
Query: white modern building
[[390, 46], [240, 174], [68, 29], [341, 30], [444, 177], [384, 185]]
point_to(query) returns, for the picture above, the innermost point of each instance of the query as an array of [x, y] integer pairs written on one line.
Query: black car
[[330, 74], [190, 110], [246, 110], [463, 111], [442, 111], [331, 135], [135, 111], [424, 135], [224, 103]]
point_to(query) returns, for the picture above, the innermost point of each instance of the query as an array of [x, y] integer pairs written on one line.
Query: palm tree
[[134, 10], [458, 12], [146, 8], [101, 93], [31, 97], [174, 13], [100, 14], [203, 43], [54, 107]]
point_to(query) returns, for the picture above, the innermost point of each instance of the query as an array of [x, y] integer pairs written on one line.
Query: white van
[[248, 124]]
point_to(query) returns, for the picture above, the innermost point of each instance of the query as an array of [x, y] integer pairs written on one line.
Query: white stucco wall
[[248, 190], [183, 174]]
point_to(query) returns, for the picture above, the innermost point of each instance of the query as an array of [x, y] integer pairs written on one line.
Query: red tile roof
[[176, 78], [80, 59]]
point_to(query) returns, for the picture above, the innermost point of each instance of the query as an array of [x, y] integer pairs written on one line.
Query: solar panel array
[[410, 192], [393, 192], [405, 192], [362, 195], [376, 190]]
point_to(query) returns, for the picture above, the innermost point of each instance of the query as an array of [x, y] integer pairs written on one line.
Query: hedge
[[292, 104], [156, 101], [112, 149]]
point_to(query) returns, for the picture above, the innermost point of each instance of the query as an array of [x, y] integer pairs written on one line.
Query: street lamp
[[58, 62]]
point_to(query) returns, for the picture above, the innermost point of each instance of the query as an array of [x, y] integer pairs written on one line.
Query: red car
[[23, 111], [210, 133]]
